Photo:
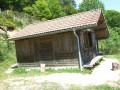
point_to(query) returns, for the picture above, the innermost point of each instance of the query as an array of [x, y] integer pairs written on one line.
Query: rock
[[1, 38], [5, 44], [27, 70], [2, 32], [42, 67], [115, 66], [3, 28]]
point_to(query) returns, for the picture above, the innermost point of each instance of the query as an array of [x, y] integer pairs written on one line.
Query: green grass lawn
[[116, 56], [21, 71], [100, 87]]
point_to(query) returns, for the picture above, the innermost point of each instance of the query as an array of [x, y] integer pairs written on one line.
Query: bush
[[9, 24], [6, 49], [14, 19], [111, 45]]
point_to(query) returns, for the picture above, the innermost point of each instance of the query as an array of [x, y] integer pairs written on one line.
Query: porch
[[91, 63]]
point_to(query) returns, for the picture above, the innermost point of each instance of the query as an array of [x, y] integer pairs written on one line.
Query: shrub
[[6, 49], [112, 45], [14, 19], [9, 24]]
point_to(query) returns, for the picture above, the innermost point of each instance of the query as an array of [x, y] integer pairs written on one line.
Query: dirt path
[[100, 75]]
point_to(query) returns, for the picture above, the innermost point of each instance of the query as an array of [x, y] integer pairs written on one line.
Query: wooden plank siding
[[25, 52], [52, 50], [56, 50]]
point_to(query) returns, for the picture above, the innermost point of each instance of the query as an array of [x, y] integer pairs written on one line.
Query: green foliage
[[20, 70], [68, 7], [69, 70], [87, 5], [55, 9], [9, 24], [39, 9], [7, 55], [113, 18], [116, 56], [12, 19], [49, 9], [112, 45], [7, 19], [15, 4], [6, 49], [117, 29], [28, 10]]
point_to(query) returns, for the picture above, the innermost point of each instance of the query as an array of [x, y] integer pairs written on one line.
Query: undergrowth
[[7, 55]]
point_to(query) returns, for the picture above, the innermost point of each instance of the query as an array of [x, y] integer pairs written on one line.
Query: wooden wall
[[52, 50], [55, 50]]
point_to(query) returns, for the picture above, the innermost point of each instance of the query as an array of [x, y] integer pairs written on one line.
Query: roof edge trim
[[54, 32]]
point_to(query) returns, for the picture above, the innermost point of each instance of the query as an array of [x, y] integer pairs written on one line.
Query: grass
[[70, 70], [21, 71], [116, 56], [36, 71], [49, 86], [100, 87]]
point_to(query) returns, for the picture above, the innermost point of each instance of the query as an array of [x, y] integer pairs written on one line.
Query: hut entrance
[[88, 46]]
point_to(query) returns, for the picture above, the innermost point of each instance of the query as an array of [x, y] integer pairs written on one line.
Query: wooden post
[[53, 51], [97, 48], [0, 10]]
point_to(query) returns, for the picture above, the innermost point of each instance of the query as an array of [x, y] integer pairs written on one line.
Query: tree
[[4, 4], [55, 8], [87, 5], [113, 18], [15, 4], [39, 9], [68, 6]]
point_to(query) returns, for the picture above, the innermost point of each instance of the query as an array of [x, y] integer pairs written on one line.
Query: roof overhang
[[54, 32]]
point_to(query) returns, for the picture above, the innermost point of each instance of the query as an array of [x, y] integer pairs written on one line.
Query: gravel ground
[[100, 75]]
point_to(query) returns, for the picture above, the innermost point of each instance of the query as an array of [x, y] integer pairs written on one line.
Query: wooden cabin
[[66, 41]]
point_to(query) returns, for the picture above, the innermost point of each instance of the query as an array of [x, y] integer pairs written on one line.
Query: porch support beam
[[97, 48], [79, 51]]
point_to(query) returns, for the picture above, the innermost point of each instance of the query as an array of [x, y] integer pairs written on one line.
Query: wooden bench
[[91, 63]]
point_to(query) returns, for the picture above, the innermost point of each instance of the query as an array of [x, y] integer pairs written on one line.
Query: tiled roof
[[60, 24]]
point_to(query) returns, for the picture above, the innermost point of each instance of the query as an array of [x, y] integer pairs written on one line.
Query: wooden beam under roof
[[100, 30]]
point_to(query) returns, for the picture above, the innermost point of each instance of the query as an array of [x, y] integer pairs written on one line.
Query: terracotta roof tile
[[63, 23]]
